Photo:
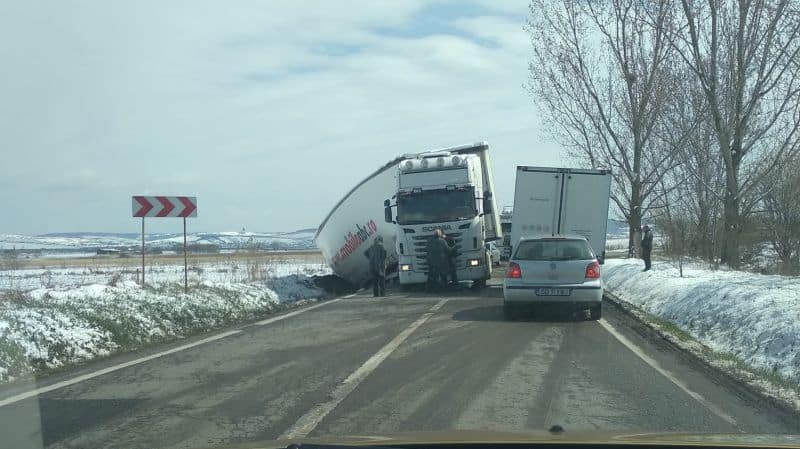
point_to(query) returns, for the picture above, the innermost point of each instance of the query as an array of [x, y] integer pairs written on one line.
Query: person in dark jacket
[[377, 266], [647, 246], [452, 252], [437, 261]]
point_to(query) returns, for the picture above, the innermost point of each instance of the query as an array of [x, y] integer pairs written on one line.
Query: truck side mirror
[[387, 211], [487, 202]]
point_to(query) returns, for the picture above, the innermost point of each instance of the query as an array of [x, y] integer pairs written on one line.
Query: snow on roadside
[[753, 317], [50, 328]]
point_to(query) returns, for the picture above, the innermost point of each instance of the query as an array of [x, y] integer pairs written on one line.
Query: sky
[[268, 112]]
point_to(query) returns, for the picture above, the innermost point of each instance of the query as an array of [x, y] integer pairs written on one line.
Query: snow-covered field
[[235, 270], [754, 317], [53, 318]]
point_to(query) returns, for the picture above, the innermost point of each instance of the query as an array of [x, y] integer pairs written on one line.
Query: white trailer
[[562, 201], [354, 222]]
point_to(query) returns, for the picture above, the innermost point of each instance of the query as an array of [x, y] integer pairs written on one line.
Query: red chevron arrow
[[188, 207], [166, 204], [144, 208]]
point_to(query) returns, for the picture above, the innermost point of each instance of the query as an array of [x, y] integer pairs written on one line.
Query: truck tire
[[479, 284], [596, 312]]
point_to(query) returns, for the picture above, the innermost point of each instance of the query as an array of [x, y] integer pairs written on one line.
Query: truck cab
[[447, 190]]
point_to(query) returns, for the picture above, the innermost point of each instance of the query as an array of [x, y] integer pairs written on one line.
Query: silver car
[[560, 269]]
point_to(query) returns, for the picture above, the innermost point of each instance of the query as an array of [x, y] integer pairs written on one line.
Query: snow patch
[[51, 327], [754, 317]]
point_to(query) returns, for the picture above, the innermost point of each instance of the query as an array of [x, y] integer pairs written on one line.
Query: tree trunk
[[733, 224], [635, 215], [634, 226]]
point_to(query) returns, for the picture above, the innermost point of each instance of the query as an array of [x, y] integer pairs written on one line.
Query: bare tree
[[781, 211], [697, 179], [743, 54], [601, 74]]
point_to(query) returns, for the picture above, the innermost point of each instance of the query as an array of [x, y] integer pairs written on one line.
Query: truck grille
[[420, 250]]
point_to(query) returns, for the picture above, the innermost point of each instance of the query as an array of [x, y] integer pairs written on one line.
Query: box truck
[[553, 201]]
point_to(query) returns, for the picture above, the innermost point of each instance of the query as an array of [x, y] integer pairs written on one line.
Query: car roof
[[552, 237]]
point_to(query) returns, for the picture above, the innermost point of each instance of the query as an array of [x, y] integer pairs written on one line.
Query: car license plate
[[553, 292]]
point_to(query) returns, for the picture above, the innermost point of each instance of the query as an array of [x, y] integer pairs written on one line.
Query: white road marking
[[296, 312], [438, 305], [351, 295], [656, 366], [313, 417], [111, 369]]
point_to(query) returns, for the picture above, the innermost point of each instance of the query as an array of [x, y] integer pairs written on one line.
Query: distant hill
[[91, 241]]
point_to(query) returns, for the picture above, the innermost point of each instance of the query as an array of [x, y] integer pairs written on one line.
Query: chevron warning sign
[[164, 206]]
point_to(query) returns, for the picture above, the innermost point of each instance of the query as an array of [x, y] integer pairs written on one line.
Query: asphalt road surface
[[364, 366]]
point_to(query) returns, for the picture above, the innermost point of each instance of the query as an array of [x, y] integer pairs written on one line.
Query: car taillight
[[514, 271], [593, 270]]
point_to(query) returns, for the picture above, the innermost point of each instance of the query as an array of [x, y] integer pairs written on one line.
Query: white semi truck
[[552, 201], [450, 189]]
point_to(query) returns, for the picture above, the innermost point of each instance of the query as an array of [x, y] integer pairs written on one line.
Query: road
[[407, 362]]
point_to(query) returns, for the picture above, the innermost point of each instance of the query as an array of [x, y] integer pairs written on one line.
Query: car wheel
[[509, 312], [596, 312]]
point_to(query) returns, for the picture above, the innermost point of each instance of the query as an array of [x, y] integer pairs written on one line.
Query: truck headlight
[[405, 267], [473, 262]]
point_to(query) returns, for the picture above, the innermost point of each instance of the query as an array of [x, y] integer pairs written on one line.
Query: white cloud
[[255, 109]]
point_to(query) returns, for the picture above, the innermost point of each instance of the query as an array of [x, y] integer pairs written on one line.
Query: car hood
[[474, 437]]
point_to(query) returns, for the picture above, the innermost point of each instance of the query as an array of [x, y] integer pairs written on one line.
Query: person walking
[[377, 265], [437, 261], [647, 246]]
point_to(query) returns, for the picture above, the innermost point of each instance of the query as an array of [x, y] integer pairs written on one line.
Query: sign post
[[143, 251], [185, 261], [166, 206]]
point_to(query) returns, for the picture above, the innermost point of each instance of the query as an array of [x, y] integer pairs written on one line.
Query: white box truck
[[551, 201], [449, 189]]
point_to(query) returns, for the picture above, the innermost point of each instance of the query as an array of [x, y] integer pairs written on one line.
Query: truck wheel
[[479, 284], [596, 312]]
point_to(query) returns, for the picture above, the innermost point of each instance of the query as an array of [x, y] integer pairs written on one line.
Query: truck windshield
[[434, 206]]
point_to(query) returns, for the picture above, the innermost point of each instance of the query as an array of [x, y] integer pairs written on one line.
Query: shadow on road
[[58, 418], [462, 290], [544, 314]]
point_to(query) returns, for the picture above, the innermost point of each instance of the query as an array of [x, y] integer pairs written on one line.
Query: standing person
[[437, 261], [377, 265], [452, 252], [647, 246]]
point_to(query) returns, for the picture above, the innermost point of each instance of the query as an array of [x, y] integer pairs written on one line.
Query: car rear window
[[561, 249]]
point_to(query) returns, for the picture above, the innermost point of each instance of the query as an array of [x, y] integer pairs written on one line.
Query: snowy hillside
[[754, 317], [50, 319]]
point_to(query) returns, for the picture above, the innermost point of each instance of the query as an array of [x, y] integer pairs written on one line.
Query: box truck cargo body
[[558, 201]]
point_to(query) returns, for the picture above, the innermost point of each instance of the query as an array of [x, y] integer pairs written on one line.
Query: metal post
[[142, 251], [185, 262]]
